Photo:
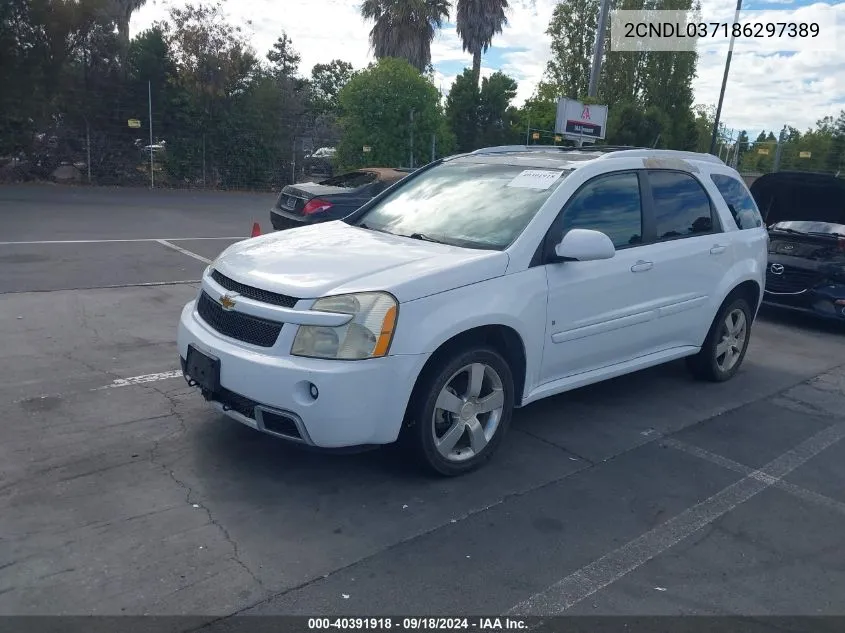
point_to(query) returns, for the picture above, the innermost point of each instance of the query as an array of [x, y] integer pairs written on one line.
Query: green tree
[[326, 82], [572, 30], [477, 22], [629, 124], [462, 111], [283, 57], [386, 106], [405, 28], [494, 115]]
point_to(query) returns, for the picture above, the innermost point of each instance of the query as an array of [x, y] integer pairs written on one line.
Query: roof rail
[[503, 149], [664, 153], [606, 151]]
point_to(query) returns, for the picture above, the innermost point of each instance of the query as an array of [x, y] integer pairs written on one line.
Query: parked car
[[332, 199], [321, 162], [480, 283], [805, 214]]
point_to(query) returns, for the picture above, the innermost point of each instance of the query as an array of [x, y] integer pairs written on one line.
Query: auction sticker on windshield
[[535, 179]]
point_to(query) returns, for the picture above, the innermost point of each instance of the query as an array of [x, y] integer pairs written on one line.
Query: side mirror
[[585, 245]]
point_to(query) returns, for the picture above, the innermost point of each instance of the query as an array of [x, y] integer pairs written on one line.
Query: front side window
[[681, 206], [610, 204], [475, 205], [739, 201]]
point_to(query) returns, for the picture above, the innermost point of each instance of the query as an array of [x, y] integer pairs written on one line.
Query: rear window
[[681, 205], [476, 205], [351, 180], [739, 201]]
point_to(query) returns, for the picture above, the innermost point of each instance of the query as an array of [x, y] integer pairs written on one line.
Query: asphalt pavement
[[122, 492]]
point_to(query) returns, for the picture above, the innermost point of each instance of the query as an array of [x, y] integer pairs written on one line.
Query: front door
[[601, 312]]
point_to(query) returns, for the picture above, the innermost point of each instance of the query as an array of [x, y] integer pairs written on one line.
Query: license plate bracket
[[203, 369]]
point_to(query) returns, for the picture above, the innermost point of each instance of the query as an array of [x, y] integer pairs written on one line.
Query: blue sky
[[766, 89]]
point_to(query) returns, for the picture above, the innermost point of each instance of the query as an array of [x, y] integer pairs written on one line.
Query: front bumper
[[359, 403], [821, 301]]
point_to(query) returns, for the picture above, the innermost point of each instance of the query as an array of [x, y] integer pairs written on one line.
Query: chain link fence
[[174, 148]]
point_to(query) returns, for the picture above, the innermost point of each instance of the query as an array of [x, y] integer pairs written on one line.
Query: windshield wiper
[[425, 238], [785, 230], [824, 234]]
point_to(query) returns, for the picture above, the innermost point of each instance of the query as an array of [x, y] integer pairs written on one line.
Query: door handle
[[718, 249], [641, 266]]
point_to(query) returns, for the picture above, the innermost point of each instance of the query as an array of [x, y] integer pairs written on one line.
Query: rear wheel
[[726, 344], [462, 412]]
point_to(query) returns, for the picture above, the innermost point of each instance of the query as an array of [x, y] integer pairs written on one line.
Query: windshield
[[476, 205]]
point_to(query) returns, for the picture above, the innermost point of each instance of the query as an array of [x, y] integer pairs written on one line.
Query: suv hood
[[334, 258]]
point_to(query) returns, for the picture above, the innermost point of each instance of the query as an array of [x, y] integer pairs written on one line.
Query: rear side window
[[610, 204], [739, 201], [681, 205]]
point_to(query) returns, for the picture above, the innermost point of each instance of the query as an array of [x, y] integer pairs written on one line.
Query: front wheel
[[726, 343], [462, 412]]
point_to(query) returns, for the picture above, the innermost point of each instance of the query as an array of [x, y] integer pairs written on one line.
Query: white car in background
[[478, 284]]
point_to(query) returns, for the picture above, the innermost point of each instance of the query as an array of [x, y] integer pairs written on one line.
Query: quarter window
[[610, 204], [681, 206], [739, 201]]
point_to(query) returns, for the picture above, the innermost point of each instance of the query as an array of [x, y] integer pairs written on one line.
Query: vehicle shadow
[[801, 320]]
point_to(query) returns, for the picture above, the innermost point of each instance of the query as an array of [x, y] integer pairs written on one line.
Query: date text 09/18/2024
[[418, 624]]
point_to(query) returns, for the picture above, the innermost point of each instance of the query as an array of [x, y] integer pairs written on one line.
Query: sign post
[[580, 122]]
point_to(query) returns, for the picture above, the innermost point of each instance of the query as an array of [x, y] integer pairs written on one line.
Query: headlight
[[367, 335]]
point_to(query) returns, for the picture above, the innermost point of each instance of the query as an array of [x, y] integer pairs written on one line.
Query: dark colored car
[[332, 199], [805, 214]]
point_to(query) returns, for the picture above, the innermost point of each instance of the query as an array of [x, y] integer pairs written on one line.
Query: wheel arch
[[502, 338]]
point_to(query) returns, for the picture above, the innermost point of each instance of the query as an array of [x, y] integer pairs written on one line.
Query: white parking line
[[612, 566], [140, 380], [724, 462], [142, 239], [184, 251]]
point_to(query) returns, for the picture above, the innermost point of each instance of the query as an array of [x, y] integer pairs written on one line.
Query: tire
[[474, 435], [706, 365]]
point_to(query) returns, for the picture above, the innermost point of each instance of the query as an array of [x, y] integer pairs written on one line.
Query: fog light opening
[[312, 389]]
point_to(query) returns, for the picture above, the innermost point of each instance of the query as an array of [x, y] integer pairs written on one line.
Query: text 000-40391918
[[811, 28]]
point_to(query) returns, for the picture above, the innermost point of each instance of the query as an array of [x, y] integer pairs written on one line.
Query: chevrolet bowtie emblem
[[227, 302]]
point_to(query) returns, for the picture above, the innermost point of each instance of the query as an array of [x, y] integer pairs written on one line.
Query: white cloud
[[764, 91]]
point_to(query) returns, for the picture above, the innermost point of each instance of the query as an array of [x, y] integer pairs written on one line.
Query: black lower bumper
[[810, 301]]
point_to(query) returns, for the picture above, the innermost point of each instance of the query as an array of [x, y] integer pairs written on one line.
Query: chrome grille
[[791, 279], [264, 296]]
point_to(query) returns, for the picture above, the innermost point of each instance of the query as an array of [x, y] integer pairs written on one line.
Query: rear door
[[691, 256]]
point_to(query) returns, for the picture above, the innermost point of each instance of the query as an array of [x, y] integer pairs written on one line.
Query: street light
[[724, 82]]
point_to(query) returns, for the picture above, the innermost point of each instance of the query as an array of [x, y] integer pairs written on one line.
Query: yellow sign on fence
[[535, 135], [134, 123], [763, 150], [804, 154]]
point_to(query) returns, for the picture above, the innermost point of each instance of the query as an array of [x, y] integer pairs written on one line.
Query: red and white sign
[[577, 120]]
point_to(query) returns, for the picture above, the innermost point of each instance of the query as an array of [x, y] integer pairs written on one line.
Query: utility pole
[[433, 146], [598, 50], [779, 149], [724, 82], [152, 149]]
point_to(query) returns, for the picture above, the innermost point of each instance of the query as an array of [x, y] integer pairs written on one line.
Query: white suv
[[480, 283]]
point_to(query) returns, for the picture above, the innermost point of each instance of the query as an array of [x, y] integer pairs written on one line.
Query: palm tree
[[478, 21], [405, 28], [121, 12]]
